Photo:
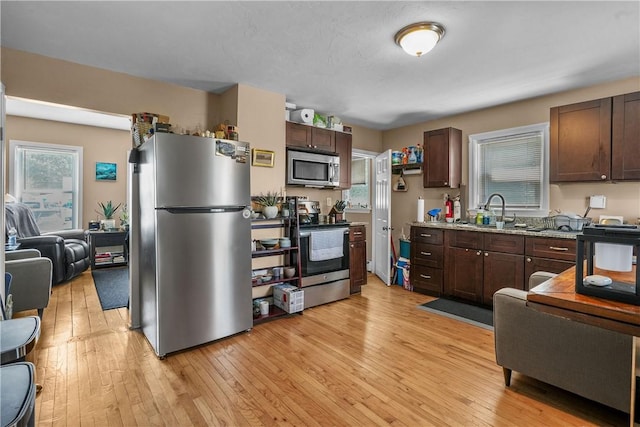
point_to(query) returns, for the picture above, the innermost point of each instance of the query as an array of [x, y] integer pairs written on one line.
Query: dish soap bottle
[[480, 215]]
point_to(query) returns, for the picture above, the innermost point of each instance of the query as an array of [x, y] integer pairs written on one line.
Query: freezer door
[[203, 277], [195, 171]]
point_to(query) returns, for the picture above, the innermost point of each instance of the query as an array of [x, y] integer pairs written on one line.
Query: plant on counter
[[271, 199], [108, 209]]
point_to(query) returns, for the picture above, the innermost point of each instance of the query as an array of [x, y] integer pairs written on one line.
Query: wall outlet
[[597, 202], [329, 201]]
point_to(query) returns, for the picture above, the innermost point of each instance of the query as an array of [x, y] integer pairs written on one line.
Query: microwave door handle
[[333, 172]]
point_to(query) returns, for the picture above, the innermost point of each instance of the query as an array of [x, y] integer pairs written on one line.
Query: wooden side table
[[107, 248]]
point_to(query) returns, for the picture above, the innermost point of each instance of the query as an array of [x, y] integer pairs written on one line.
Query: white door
[[382, 218]]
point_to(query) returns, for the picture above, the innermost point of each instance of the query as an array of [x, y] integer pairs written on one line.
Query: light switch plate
[[329, 201], [597, 202]]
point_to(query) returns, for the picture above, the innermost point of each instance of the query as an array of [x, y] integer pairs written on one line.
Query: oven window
[[312, 268], [314, 171]]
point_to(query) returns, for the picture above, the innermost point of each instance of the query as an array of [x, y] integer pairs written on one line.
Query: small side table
[[107, 248]]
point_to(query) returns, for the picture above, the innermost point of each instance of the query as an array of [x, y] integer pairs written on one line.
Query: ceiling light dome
[[419, 38]]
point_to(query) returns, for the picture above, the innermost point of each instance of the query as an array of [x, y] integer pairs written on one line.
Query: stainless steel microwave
[[313, 169]]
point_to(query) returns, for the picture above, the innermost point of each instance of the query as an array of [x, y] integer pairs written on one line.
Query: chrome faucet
[[487, 205]]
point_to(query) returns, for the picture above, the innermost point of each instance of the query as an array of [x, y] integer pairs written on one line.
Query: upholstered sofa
[[592, 362], [67, 249]]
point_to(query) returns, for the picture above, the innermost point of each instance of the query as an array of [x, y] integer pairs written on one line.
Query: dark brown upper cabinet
[[442, 158], [596, 140]]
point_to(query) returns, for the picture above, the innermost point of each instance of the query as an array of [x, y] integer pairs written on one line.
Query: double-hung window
[[512, 162], [48, 178]]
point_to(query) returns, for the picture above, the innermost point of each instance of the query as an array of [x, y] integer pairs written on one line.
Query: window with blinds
[[511, 162]]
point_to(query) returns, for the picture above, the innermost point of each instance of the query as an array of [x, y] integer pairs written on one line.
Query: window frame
[[477, 139], [361, 154], [14, 179]]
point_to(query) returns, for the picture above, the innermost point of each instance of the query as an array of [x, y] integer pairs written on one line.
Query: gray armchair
[[31, 279], [67, 249], [592, 362]]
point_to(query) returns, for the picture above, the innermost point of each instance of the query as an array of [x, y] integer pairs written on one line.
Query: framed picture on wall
[[106, 171], [263, 158]]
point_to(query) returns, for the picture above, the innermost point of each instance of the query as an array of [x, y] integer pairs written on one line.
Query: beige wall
[[622, 198], [98, 145], [259, 115]]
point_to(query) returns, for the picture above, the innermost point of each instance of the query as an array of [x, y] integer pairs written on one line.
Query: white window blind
[[512, 163]]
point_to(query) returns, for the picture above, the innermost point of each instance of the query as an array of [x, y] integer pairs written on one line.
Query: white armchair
[[31, 279]]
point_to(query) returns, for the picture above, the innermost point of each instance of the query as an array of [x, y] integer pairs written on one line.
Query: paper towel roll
[[304, 115], [420, 214], [613, 257]]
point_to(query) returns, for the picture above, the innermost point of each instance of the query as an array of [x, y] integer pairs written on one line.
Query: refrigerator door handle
[[218, 209]]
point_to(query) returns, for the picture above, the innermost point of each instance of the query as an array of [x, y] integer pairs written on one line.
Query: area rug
[[467, 313], [112, 285]]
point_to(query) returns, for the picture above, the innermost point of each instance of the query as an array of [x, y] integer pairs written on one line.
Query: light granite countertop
[[492, 229]]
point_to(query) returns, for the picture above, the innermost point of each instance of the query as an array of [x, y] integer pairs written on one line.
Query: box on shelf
[[289, 298]]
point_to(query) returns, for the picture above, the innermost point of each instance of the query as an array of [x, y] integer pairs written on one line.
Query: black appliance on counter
[[607, 288], [309, 212]]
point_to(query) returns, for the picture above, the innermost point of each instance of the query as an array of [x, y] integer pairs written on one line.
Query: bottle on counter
[[457, 209], [12, 235], [480, 215]]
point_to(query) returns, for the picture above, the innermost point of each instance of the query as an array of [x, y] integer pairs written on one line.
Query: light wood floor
[[374, 359]]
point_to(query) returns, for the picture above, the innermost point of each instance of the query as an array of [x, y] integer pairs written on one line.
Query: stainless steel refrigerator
[[194, 252]]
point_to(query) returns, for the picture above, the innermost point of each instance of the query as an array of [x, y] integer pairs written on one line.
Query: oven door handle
[[308, 233]]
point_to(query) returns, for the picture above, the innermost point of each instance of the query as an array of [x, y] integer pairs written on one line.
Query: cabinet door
[[298, 135], [323, 139], [501, 271], [358, 265], [580, 142], [533, 264], [626, 137], [343, 149], [464, 274], [442, 158]]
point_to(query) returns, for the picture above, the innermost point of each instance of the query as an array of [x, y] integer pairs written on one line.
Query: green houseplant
[[269, 204], [108, 210]]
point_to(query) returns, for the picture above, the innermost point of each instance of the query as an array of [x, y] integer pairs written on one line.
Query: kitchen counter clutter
[[471, 262], [492, 229]]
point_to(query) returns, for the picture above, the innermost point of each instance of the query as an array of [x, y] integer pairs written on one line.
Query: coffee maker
[[309, 212]]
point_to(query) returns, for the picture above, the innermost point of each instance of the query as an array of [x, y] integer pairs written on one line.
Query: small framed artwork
[[106, 171], [263, 158]]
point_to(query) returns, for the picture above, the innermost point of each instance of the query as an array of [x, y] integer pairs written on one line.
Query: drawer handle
[[556, 248], [425, 276], [426, 253], [357, 233], [425, 235]]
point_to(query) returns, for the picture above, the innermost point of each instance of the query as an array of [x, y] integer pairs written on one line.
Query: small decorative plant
[[108, 209], [271, 199], [124, 215]]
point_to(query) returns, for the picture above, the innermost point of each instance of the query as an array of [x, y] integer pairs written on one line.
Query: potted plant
[[269, 204], [108, 210], [124, 218]]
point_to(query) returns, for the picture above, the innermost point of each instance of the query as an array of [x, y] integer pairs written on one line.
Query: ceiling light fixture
[[419, 38]]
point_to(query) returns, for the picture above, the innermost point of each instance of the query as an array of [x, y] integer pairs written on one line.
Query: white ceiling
[[339, 57]]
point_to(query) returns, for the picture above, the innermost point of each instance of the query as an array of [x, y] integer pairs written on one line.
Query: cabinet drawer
[[427, 255], [465, 239], [357, 233], [504, 243], [426, 278], [563, 249], [427, 235]]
